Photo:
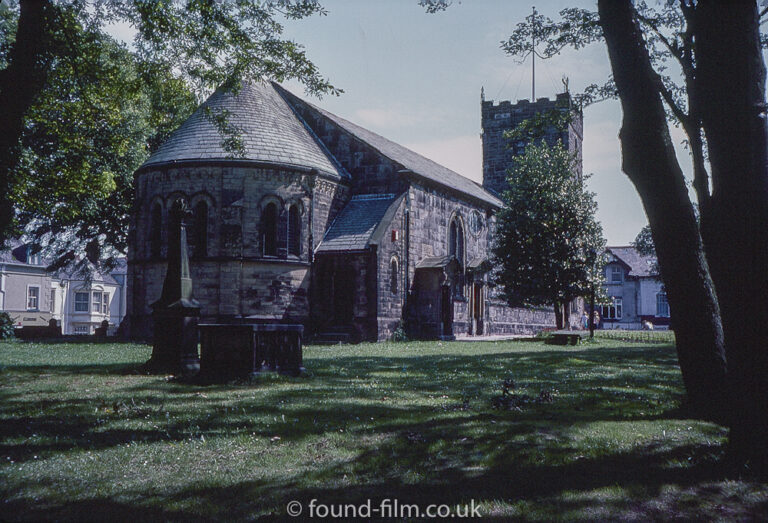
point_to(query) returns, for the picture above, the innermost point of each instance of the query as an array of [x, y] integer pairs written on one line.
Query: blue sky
[[416, 78]]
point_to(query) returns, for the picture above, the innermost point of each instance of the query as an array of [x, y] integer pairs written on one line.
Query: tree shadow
[[427, 429]]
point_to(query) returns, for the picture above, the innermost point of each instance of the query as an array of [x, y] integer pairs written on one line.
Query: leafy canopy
[[547, 239], [103, 106]]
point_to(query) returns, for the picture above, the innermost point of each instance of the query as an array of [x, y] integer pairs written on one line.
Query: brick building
[[317, 221]]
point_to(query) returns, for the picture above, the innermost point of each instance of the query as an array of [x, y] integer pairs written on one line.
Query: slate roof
[[355, 226], [270, 133], [435, 262], [7, 255], [87, 272], [17, 252], [410, 160], [639, 265]]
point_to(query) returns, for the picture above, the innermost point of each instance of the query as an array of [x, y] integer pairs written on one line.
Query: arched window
[[269, 229], [393, 274], [456, 248], [200, 230], [456, 239], [155, 231], [294, 231]]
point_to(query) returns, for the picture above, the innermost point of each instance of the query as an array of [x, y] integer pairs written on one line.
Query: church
[[315, 220]]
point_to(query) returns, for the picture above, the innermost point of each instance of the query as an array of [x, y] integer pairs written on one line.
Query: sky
[[415, 78]]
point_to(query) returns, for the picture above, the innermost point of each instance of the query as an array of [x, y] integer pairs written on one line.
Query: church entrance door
[[343, 294]]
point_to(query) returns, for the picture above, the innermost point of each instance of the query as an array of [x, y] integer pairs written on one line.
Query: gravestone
[[176, 313]]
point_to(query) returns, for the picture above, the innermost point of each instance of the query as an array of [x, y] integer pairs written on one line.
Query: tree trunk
[[731, 76], [559, 315], [650, 163], [20, 83]]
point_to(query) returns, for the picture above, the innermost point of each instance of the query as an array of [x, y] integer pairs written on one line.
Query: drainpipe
[[2, 287], [407, 255]]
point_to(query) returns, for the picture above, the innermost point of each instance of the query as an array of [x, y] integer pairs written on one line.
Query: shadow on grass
[[344, 392], [423, 427]]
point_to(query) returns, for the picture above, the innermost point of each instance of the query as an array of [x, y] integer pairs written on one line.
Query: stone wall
[[391, 247], [431, 213], [503, 319], [235, 278]]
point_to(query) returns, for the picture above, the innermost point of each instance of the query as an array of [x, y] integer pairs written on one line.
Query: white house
[[635, 290], [26, 289], [78, 302]]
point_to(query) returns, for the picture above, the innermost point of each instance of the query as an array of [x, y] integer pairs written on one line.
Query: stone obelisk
[[175, 314]]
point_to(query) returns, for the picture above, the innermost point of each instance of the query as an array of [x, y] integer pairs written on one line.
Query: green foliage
[[103, 107], [547, 239], [644, 244], [537, 126], [400, 334], [6, 326]]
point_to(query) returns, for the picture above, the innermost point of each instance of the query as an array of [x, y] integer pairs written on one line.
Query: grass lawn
[[593, 432]]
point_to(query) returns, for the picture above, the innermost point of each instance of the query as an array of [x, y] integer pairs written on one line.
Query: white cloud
[[463, 154]]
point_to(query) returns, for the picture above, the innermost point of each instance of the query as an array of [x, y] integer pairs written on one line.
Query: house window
[[614, 310], [200, 231], [53, 300], [33, 298], [155, 231], [294, 231], [96, 302], [105, 303], [269, 230], [616, 274], [662, 305], [393, 276], [81, 302]]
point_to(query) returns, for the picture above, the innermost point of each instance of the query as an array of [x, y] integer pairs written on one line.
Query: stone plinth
[[242, 350]]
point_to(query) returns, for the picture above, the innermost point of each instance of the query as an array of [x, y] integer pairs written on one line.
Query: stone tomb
[[244, 350]]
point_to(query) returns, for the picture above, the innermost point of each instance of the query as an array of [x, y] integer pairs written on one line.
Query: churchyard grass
[[590, 432]]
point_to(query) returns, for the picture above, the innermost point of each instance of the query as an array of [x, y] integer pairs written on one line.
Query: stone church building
[[318, 221]]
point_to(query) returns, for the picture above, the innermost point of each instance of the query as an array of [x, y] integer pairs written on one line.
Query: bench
[[243, 350], [565, 337]]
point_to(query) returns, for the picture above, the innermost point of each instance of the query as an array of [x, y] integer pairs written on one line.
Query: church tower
[[499, 153]]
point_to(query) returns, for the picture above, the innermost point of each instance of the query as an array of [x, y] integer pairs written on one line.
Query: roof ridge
[[483, 194]]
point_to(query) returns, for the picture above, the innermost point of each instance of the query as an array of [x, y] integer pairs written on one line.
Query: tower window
[[294, 231], [269, 229]]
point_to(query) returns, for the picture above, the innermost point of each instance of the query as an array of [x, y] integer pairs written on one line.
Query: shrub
[[6, 326], [399, 333]]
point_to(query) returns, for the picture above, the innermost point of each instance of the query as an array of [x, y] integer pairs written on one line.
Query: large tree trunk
[[731, 76], [20, 83], [650, 163]]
